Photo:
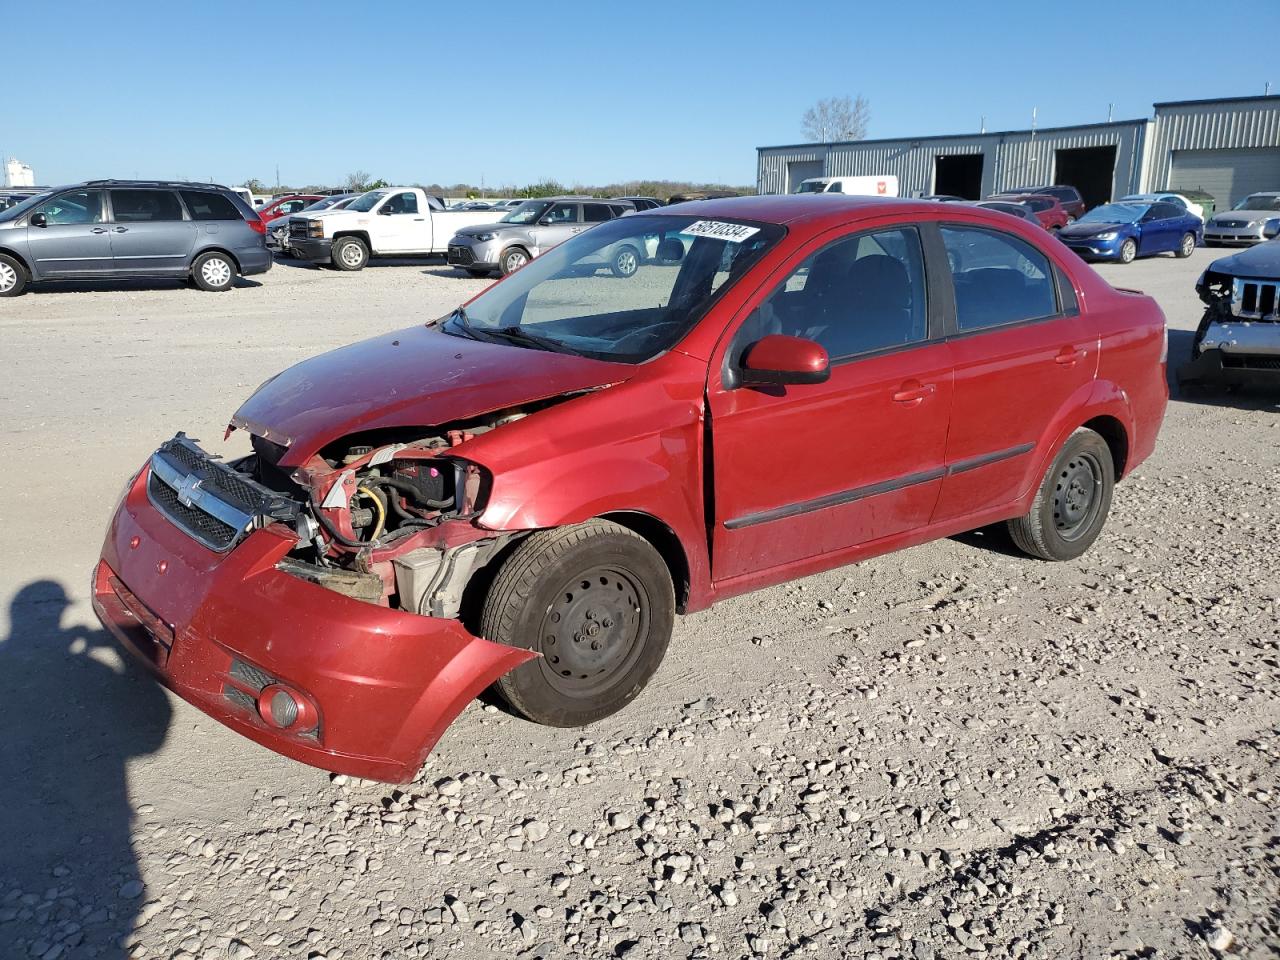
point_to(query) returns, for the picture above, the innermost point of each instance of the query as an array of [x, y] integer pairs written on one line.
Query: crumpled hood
[[1261, 261], [1091, 229], [414, 377]]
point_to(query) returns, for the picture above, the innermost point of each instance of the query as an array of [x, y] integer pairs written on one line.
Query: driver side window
[[855, 296], [562, 213], [77, 206]]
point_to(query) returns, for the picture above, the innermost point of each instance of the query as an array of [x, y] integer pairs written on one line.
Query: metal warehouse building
[[1229, 148]]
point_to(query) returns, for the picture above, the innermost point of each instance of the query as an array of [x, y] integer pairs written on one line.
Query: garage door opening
[[1091, 170], [801, 170], [1229, 175], [958, 176]]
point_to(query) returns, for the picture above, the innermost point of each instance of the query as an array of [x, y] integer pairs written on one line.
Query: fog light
[[284, 709]]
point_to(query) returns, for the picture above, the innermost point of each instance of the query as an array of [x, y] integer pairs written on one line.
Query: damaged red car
[[525, 493]]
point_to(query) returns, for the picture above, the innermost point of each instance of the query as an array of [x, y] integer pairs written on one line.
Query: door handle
[[913, 392], [122, 229], [418, 219], [1068, 356], [98, 230]]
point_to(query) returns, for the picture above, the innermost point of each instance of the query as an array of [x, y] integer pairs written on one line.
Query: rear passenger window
[[145, 206], [858, 295], [597, 212], [998, 278], [209, 206]]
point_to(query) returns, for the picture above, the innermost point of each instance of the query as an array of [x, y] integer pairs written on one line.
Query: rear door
[[807, 470], [74, 240], [150, 232], [1021, 354]]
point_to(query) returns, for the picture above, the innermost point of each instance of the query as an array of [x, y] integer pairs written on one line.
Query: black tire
[[13, 276], [625, 262], [349, 253], [1186, 246], [512, 259], [1072, 503], [600, 643], [1128, 250], [214, 271], [478, 274]]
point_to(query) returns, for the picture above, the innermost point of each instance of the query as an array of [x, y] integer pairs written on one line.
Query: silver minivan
[[533, 228], [109, 229]]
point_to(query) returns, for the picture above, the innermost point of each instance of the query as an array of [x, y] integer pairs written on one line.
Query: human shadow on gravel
[[71, 722]]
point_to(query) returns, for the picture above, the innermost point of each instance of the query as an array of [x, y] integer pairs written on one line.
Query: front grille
[[297, 228], [1232, 224], [461, 255], [1245, 362], [240, 698], [1256, 299], [208, 530]]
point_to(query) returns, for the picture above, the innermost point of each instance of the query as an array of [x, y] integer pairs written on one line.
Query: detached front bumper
[[310, 248], [376, 687], [1231, 369]]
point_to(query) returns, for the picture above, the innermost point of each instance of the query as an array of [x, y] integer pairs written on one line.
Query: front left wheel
[[213, 271], [596, 601], [1128, 251], [349, 253], [13, 276], [625, 262]]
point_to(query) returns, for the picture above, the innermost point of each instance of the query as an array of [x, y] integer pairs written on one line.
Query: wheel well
[[222, 250], [514, 246], [358, 234], [1112, 431], [13, 253], [663, 539]]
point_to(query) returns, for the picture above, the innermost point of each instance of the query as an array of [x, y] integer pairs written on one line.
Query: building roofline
[[1190, 103], [953, 136]]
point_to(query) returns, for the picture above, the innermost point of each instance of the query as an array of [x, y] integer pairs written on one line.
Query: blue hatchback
[[1125, 231]]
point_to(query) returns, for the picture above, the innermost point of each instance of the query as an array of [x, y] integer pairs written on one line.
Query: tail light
[[256, 223]]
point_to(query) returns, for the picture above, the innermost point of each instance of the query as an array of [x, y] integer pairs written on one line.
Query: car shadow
[[1211, 394], [993, 538], [455, 273], [40, 288], [73, 722]]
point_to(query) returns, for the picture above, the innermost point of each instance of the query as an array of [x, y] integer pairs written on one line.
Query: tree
[[358, 182], [254, 185], [837, 118]]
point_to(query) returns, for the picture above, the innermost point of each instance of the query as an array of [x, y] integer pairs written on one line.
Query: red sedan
[[526, 492], [1049, 212], [285, 206]]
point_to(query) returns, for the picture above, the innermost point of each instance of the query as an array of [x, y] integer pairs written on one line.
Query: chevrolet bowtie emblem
[[188, 490]]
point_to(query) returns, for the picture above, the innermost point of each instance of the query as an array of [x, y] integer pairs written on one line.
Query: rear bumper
[[307, 248], [254, 260], [217, 629]]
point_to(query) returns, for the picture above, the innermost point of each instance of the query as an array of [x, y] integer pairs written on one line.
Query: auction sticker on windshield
[[733, 232]]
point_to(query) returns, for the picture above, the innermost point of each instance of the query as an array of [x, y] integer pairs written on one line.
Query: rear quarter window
[[203, 205]]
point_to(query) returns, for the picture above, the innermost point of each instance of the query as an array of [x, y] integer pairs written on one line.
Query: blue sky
[[582, 92]]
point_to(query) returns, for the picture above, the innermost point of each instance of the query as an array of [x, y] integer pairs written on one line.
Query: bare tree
[[837, 118], [358, 182]]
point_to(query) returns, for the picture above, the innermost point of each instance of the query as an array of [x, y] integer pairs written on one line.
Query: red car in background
[[1069, 197], [525, 492], [284, 206], [1049, 212]]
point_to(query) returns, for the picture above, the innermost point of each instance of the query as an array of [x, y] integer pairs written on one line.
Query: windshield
[[366, 201], [625, 290], [812, 186], [323, 204], [1116, 213], [18, 209], [527, 212], [1258, 201]]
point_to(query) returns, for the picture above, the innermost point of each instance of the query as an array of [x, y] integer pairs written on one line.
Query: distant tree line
[[360, 180]]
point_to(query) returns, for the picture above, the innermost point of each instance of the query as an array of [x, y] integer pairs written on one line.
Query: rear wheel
[[625, 262], [1072, 503], [13, 276], [512, 260], [596, 601], [349, 253], [213, 271], [1128, 251], [1187, 246]]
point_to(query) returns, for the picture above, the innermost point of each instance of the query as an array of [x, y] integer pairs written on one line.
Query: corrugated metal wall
[[1009, 159], [1191, 126]]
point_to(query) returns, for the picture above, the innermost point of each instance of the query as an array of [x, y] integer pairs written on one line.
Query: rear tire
[[349, 253], [1186, 247], [1072, 503], [13, 276], [214, 271], [596, 600]]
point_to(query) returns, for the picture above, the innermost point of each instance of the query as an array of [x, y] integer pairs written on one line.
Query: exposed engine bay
[[383, 517], [1238, 339]]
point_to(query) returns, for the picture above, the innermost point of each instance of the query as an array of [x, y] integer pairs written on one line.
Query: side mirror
[[670, 250], [385, 210], [544, 221], [38, 220], [1271, 229], [779, 358]]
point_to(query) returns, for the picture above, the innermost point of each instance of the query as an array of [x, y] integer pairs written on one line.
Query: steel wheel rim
[[8, 278], [591, 632], [627, 262], [515, 261], [352, 255], [216, 272], [1077, 495]]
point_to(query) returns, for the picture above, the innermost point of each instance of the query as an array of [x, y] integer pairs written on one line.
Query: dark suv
[[131, 228], [1069, 197]]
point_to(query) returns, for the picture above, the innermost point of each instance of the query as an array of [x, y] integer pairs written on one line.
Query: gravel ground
[[949, 751]]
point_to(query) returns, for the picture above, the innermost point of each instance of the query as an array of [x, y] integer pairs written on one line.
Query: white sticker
[[716, 229]]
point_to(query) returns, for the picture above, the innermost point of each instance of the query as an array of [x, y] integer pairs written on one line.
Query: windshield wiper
[[518, 334]]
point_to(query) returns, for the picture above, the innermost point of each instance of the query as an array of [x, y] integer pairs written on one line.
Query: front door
[[557, 225], [402, 226], [73, 240], [803, 471], [1021, 356], [150, 233]]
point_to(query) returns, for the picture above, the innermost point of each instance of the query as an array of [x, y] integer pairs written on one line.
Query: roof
[[1269, 98], [154, 183], [953, 136], [795, 207]]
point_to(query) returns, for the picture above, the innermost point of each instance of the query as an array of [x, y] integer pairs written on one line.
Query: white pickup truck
[[388, 222]]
